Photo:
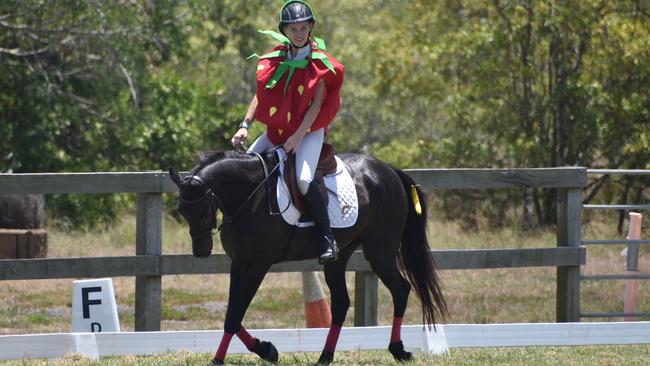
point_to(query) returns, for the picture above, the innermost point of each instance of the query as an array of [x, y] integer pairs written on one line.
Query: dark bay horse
[[390, 232]]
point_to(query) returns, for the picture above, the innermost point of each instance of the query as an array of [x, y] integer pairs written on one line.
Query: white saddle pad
[[343, 207]]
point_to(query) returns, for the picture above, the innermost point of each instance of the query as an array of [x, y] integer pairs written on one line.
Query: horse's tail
[[415, 258]]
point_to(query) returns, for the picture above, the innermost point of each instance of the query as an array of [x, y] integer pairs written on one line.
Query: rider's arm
[[250, 113], [308, 120], [314, 108]]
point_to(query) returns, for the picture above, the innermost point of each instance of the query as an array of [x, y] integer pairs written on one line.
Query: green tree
[[93, 86], [529, 84], [500, 83]]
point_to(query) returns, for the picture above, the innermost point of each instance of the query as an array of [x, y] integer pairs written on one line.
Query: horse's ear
[[203, 156], [175, 176]]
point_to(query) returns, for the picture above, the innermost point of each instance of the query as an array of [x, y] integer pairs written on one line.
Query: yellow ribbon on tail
[[416, 200]]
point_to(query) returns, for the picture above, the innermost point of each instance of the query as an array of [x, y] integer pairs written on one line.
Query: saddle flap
[[326, 161], [343, 206]]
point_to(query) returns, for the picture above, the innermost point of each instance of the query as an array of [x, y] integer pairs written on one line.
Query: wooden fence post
[[148, 301], [365, 299], [569, 208]]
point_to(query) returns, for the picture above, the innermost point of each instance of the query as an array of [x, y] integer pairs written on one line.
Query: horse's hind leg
[[243, 286], [335, 278], [386, 268]]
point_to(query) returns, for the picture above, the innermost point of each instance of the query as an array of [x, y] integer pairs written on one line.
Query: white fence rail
[[94, 345]]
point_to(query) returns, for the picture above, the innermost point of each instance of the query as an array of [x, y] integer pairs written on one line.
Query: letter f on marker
[[87, 302]]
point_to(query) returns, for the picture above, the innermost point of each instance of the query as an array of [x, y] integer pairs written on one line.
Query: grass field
[[198, 302], [532, 356]]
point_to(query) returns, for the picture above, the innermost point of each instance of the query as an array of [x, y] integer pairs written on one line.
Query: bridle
[[215, 202]]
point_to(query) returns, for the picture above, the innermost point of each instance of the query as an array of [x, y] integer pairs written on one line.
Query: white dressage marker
[[93, 306]]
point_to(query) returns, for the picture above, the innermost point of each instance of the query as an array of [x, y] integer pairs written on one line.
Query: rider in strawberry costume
[[298, 96]]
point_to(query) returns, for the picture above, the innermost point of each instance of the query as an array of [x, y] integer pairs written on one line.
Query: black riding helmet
[[295, 12]]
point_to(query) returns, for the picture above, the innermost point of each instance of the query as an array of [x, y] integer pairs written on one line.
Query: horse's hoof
[[397, 350], [266, 350], [325, 358], [215, 362]]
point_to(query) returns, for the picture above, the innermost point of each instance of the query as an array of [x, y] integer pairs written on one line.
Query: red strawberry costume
[[286, 88]]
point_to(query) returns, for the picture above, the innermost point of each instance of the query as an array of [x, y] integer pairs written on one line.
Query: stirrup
[[331, 253]]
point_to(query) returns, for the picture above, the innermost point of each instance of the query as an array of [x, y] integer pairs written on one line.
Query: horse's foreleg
[[335, 278], [243, 286], [249, 341], [266, 350]]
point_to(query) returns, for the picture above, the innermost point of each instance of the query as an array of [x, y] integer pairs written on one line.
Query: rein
[[267, 175]]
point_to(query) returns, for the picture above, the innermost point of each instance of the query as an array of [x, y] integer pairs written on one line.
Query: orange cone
[[317, 310]]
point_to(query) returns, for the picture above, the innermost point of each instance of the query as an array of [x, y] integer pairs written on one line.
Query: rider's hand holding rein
[[240, 136]]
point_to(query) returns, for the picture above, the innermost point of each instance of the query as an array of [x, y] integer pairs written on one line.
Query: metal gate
[[632, 247]]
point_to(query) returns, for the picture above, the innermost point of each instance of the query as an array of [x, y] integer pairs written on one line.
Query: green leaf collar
[[288, 65]]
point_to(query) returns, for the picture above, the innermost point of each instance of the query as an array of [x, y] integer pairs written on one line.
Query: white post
[[632, 285], [435, 341]]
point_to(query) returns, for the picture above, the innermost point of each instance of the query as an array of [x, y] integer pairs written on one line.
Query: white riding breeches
[[307, 155]]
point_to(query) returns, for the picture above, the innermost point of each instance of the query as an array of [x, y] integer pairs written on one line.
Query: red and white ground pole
[[317, 310], [632, 254]]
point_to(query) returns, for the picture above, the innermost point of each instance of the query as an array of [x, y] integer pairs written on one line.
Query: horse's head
[[198, 205], [223, 181]]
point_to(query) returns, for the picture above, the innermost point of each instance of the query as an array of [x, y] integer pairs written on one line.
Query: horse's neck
[[244, 175]]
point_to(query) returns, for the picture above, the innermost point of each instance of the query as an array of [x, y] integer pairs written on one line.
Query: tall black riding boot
[[316, 204]]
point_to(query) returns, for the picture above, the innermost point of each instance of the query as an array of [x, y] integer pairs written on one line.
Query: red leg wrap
[[247, 339], [396, 333], [332, 338], [223, 346]]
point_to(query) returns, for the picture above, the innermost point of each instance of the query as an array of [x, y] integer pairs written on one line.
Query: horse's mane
[[209, 157]]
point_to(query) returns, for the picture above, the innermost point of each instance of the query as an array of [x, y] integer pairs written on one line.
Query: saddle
[[326, 165]]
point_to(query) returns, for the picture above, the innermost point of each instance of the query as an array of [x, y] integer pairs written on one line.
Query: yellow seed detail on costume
[[272, 111], [416, 200], [301, 89], [288, 117], [260, 67], [280, 132]]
